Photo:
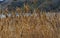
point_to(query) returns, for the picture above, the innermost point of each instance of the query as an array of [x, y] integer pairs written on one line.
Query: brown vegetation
[[37, 25]]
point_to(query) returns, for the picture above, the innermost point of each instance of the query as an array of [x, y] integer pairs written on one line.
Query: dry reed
[[37, 25]]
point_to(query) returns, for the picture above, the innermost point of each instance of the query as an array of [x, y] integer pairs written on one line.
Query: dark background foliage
[[44, 5]]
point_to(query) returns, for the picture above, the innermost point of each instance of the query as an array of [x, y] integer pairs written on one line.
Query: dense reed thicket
[[23, 23]]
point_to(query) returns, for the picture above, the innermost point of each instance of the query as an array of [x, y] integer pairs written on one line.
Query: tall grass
[[36, 25]]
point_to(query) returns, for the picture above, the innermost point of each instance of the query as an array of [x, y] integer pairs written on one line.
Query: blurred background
[[44, 5]]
